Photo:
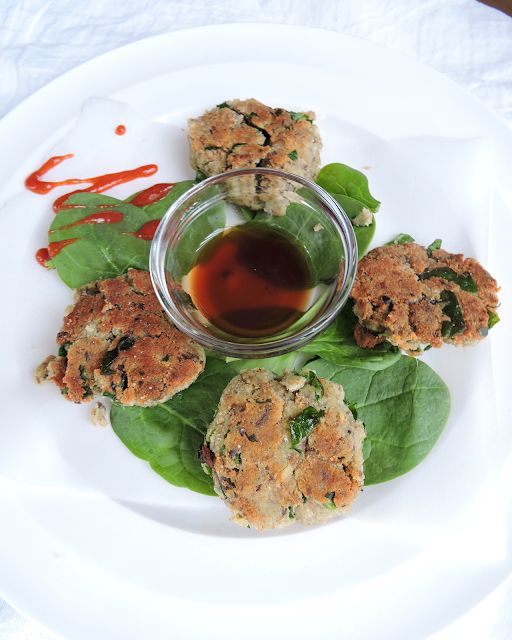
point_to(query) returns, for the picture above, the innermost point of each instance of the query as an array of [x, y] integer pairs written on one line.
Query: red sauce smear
[[120, 130], [152, 194], [100, 217], [147, 231], [98, 184]]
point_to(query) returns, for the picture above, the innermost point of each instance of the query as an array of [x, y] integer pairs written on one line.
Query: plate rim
[[17, 112]]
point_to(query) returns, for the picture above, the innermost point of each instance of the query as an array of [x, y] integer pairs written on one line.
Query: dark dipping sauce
[[251, 281]]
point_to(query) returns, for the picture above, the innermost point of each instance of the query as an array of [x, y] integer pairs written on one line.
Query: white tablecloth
[[471, 43]]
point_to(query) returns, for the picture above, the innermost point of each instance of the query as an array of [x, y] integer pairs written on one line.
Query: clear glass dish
[[288, 202]]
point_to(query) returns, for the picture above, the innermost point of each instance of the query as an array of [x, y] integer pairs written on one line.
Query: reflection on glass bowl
[[246, 283]]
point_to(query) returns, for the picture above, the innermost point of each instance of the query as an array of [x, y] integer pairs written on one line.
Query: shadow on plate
[[209, 522]]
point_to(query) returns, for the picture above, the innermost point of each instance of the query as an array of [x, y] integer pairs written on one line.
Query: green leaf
[[404, 409], [245, 213], [293, 155], [465, 281], [125, 343], [101, 250], [493, 319], [323, 246], [350, 189], [452, 309], [341, 179], [401, 238], [313, 380], [156, 210], [293, 361], [106, 250], [330, 500], [337, 345], [210, 222], [63, 349], [433, 246], [364, 235], [351, 206], [296, 116], [169, 435], [303, 424], [214, 219]]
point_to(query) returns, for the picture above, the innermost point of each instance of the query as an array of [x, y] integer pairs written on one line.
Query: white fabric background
[[470, 42]]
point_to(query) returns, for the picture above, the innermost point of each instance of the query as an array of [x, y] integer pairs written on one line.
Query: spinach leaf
[[493, 319], [349, 188], [101, 250], [293, 361], [433, 246], [452, 309], [125, 343], [199, 230], [330, 500], [401, 238], [353, 208], [337, 345], [303, 424], [465, 281], [169, 435], [306, 223], [104, 250], [307, 317], [364, 235], [404, 409], [296, 116], [313, 380], [343, 180], [156, 210]]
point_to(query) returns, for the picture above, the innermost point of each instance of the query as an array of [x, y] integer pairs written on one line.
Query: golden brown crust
[[118, 341], [246, 133], [267, 483], [395, 301]]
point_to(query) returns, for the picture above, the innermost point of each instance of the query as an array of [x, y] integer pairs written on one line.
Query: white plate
[[95, 558]]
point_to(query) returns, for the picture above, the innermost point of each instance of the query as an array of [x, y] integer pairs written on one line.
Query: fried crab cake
[[239, 134], [284, 450], [117, 341], [415, 297]]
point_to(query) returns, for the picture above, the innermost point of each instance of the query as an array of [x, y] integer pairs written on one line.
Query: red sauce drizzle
[[100, 217], [120, 130], [98, 184], [42, 257], [147, 231], [54, 248], [33, 182], [152, 194]]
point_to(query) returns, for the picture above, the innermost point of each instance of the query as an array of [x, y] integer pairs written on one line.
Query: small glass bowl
[[311, 215]]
